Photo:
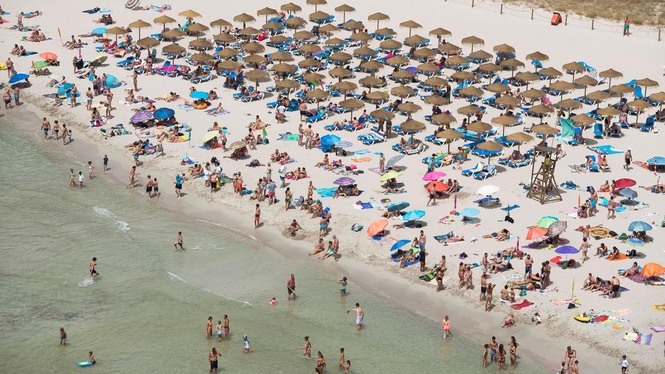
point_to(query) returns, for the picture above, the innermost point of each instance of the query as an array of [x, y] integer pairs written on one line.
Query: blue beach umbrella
[[112, 81], [329, 141], [627, 192], [18, 77], [163, 113], [469, 212], [413, 215], [656, 161], [99, 31], [567, 250], [399, 244], [396, 207], [639, 226], [636, 241], [199, 95]]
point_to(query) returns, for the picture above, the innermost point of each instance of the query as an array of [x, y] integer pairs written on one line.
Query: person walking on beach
[[307, 348], [212, 357], [282, 175], [17, 96], [584, 248], [219, 330], [179, 179], [628, 158], [611, 208], [80, 179], [483, 287], [360, 315], [528, 267], [64, 134], [291, 287], [56, 129], [105, 163], [257, 216], [446, 327], [46, 127], [148, 187], [569, 356], [90, 169], [155, 187], [93, 272], [624, 365], [132, 177], [63, 336], [493, 345], [288, 196], [72, 178], [382, 163], [179, 242], [626, 27], [135, 78], [7, 97], [488, 298], [88, 99], [342, 286], [209, 327]]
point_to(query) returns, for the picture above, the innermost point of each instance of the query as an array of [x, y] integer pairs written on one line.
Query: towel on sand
[[521, 305], [326, 192]]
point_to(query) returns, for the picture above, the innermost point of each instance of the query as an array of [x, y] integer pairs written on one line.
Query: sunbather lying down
[[530, 284], [500, 236]]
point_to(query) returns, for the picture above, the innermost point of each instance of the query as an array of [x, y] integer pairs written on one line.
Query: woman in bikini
[[501, 357]]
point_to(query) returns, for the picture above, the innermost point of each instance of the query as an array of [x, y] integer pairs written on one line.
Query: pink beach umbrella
[[434, 175]]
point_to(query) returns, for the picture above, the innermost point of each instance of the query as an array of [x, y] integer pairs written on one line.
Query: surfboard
[[84, 363]]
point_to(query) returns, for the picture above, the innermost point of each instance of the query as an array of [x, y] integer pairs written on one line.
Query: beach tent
[[653, 269]]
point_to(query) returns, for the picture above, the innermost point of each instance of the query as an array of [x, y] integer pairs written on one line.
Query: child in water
[[245, 343], [273, 301]]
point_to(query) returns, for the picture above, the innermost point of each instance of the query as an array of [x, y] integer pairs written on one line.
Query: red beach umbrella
[[535, 232], [437, 186], [624, 183]]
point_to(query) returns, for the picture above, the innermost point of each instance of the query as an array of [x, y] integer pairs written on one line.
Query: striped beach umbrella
[[344, 181], [132, 4], [141, 116]]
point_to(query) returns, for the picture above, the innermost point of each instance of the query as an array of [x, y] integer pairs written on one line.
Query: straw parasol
[[414, 40], [308, 49], [345, 87], [361, 36], [147, 42], [173, 34], [480, 56], [344, 8], [537, 55], [272, 26], [316, 3], [254, 59], [403, 76], [409, 108], [375, 96], [371, 65], [197, 28], [410, 24], [281, 56], [266, 12], [440, 32], [424, 53], [309, 63], [402, 91], [598, 96], [295, 23], [527, 77], [202, 57], [412, 125], [364, 52], [248, 31], [545, 130], [189, 14], [340, 72], [284, 68], [173, 49], [288, 84], [512, 64], [390, 45], [471, 91], [163, 20], [473, 41], [658, 97], [621, 89], [582, 120], [568, 104], [443, 119], [490, 145], [507, 101], [116, 31], [317, 95], [497, 87], [449, 48], [351, 105], [244, 18], [646, 82], [455, 61], [385, 32], [540, 110], [257, 76], [220, 23], [318, 16], [504, 120], [341, 57], [562, 86], [573, 68], [303, 35], [382, 114], [479, 127], [549, 73], [469, 110], [200, 44], [428, 68], [397, 61], [436, 100], [313, 77], [449, 135], [378, 17], [224, 38], [609, 111], [519, 138], [228, 65], [504, 48], [640, 105], [534, 94], [353, 25], [139, 24], [290, 8], [489, 67], [609, 74], [371, 82], [334, 42], [253, 47]]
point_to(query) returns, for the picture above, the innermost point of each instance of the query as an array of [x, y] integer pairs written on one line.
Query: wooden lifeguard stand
[[543, 186]]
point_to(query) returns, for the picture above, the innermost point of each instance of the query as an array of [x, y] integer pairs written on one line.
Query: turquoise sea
[[147, 311]]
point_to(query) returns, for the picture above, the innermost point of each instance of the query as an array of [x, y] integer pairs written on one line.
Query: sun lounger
[[205, 78], [433, 139], [318, 116], [648, 125], [598, 131], [488, 171], [334, 127], [476, 169]]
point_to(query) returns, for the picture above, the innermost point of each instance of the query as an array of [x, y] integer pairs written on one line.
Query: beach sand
[[599, 346]]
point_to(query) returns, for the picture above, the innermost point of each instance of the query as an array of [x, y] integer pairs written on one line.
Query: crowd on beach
[[262, 192]]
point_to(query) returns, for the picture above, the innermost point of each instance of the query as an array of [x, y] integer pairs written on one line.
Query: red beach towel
[[521, 305]]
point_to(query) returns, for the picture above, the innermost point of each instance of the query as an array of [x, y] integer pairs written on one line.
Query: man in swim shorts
[[360, 315], [93, 272], [179, 241], [291, 287], [178, 184], [342, 286], [227, 329]]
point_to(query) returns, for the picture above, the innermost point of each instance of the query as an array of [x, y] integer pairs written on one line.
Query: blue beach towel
[[326, 192]]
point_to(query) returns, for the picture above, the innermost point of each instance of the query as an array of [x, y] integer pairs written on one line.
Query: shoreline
[[377, 280]]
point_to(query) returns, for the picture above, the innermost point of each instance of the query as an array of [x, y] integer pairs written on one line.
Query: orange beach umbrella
[[377, 227], [653, 269]]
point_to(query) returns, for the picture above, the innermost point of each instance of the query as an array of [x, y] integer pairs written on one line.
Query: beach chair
[[486, 154], [537, 64], [272, 105], [488, 171], [598, 131], [205, 78], [476, 169], [318, 116], [438, 160], [334, 127], [637, 92], [504, 142], [518, 164], [124, 63], [254, 95], [433, 139], [352, 127], [649, 124]]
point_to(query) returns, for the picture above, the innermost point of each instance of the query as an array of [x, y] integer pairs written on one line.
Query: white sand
[[599, 346]]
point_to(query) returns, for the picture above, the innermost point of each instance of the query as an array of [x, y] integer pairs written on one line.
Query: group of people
[[496, 352]]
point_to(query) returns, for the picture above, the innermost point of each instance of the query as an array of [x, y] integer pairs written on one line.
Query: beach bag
[[571, 306], [254, 163], [356, 227]]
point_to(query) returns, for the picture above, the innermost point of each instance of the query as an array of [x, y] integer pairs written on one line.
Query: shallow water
[[148, 309]]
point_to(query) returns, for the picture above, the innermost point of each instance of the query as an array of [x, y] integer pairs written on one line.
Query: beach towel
[[186, 108], [658, 328], [605, 149], [361, 205], [363, 159], [430, 276], [326, 192], [362, 152], [289, 137], [644, 339], [521, 305], [600, 319]]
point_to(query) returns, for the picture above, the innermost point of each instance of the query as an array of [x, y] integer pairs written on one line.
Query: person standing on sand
[[88, 99], [569, 356], [288, 195], [493, 345], [212, 357], [148, 187], [208, 328], [382, 163], [64, 134], [624, 365], [611, 208], [132, 177], [179, 242], [628, 159], [155, 187], [219, 331], [513, 351], [584, 248], [227, 328], [291, 288], [72, 178], [17, 96], [179, 179], [488, 298], [56, 129], [257, 216], [135, 78], [528, 266], [360, 315], [80, 179], [282, 175], [626, 27]]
